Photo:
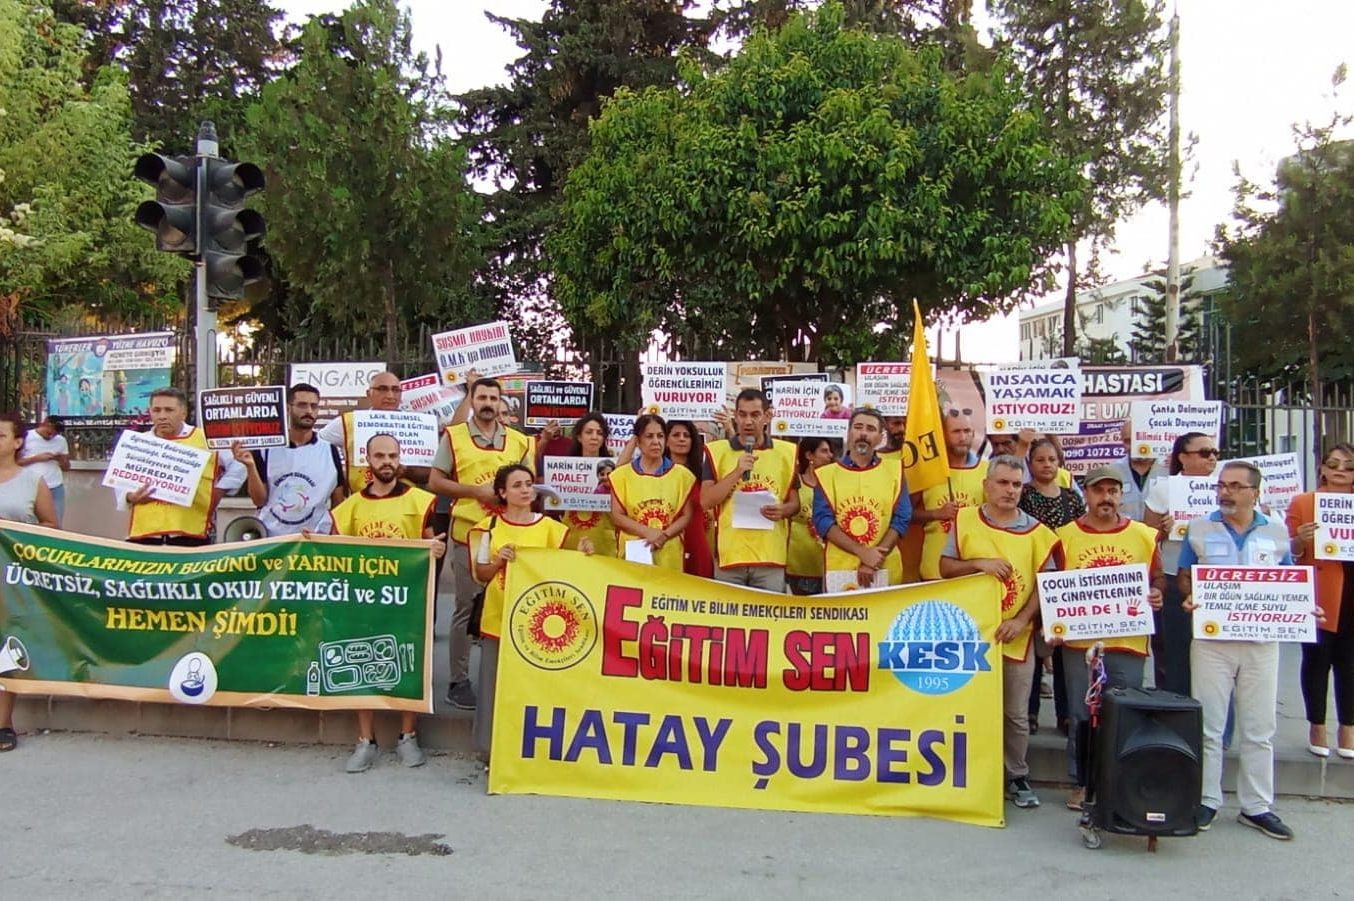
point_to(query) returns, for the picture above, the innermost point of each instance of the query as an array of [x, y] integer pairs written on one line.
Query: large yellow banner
[[618, 680]]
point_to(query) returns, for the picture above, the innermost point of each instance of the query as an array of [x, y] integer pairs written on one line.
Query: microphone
[[748, 445]]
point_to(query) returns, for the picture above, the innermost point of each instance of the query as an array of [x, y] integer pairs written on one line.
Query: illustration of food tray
[[354, 664]]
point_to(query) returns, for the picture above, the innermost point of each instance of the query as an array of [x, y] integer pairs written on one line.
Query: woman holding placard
[[590, 434], [650, 499], [1334, 646], [804, 563]]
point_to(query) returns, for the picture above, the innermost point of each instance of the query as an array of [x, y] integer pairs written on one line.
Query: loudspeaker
[[13, 656], [1147, 763], [244, 528]]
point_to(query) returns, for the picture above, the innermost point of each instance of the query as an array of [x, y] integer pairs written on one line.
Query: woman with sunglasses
[[1193, 454], [1334, 646]]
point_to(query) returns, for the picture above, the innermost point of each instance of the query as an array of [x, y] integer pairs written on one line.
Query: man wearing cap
[[1104, 537]]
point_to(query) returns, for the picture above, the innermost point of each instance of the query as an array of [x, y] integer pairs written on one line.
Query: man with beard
[[387, 508], [468, 457], [1104, 537], [294, 486], [861, 506], [937, 506], [1005, 542]]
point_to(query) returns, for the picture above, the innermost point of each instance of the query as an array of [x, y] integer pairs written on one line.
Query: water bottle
[[313, 679]]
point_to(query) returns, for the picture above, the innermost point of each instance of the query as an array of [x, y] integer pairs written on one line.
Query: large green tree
[[1148, 341], [793, 203], [67, 239], [368, 208], [1096, 69]]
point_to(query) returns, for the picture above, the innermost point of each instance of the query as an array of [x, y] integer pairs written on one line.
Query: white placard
[[1095, 603], [884, 387], [577, 483], [1023, 397], [685, 390], [342, 385], [637, 550], [839, 580], [172, 467], [747, 510], [427, 394], [1190, 497], [619, 426], [811, 409], [485, 348], [1334, 526], [1281, 479], [416, 433], [1157, 423], [769, 382], [1254, 603]]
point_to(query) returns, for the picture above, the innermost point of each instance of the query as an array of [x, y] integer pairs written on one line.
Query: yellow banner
[[618, 680]]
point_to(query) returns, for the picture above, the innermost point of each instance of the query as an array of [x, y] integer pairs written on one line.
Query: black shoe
[[1267, 823], [461, 696], [1204, 817]]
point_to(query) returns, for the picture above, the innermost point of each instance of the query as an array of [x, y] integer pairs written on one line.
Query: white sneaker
[[364, 757], [407, 749]]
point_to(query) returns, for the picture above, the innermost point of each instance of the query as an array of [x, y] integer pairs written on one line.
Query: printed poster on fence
[[485, 348], [1334, 526], [1095, 603], [563, 402], [811, 409], [579, 483], [1156, 424], [106, 380], [1094, 445], [428, 394], [884, 387], [172, 468], [342, 386], [1190, 497], [684, 390], [624, 681], [1025, 397], [416, 433], [327, 623], [255, 417], [1254, 603]]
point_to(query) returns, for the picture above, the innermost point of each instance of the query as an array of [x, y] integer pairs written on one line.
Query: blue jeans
[[59, 501]]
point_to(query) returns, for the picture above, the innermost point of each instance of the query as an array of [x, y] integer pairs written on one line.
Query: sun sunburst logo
[[653, 513], [1144, 450], [782, 426], [1330, 548], [553, 626], [1057, 630], [860, 522], [1211, 628], [651, 408], [998, 425], [1103, 555], [1015, 590], [583, 519]]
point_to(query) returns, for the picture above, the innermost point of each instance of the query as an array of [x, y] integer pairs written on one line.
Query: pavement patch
[[309, 840]]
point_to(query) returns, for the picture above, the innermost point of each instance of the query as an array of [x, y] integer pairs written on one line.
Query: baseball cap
[[1101, 473]]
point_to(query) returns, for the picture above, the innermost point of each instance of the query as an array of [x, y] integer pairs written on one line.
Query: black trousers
[[1332, 651], [172, 541]]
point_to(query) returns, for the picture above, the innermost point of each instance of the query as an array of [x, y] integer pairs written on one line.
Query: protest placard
[[106, 380], [1095, 603], [1108, 392], [255, 417], [811, 409], [1095, 444], [1023, 397], [485, 348], [1157, 423], [1334, 526], [562, 401], [684, 390], [172, 468], [1281, 479], [620, 427], [884, 387], [342, 386], [769, 382], [578, 483], [1190, 497], [416, 433], [428, 394], [1254, 603]]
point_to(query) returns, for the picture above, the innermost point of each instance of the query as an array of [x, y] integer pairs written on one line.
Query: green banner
[[326, 622]]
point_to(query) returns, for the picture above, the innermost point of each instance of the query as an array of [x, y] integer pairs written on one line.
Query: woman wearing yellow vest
[[494, 542], [804, 557], [650, 496], [590, 435]]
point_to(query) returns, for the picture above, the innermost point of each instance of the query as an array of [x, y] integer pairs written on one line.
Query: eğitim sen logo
[[934, 647]]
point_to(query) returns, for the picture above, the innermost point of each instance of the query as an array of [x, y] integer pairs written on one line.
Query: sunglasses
[[1342, 465], [1206, 452], [952, 412]]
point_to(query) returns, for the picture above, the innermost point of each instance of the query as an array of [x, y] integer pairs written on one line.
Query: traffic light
[[228, 229], [172, 215]]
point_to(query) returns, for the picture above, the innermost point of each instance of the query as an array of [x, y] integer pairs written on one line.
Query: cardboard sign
[[1190, 497], [1254, 603], [579, 483], [561, 401], [1334, 526], [769, 382], [416, 432], [427, 394], [486, 348], [255, 417], [342, 386], [620, 428], [1281, 479], [172, 467], [811, 409], [1156, 424], [685, 390], [1023, 397], [1095, 444], [1095, 603], [884, 387]]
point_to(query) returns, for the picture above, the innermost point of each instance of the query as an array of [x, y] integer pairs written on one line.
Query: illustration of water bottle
[[313, 679]]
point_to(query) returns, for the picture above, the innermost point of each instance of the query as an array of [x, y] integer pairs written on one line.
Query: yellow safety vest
[[965, 488], [155, 518], [404, 513], [1027, 552], [804, 556], [473, 464], [863, 501], [592, 524], [773, 471], [540, 532], [654, 501], [1132, 542]]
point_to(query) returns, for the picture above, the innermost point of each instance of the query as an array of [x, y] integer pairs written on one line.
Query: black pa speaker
[[1147, 763]]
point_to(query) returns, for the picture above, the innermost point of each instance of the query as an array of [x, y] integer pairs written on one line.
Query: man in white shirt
[[45, 448]]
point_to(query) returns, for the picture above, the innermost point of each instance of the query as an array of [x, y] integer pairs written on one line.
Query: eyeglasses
[[952, 412], [1206, 452], [387, 388], [1233, 487], [1342, 465]]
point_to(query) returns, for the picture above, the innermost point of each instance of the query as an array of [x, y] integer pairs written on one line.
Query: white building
[[1109, 311]]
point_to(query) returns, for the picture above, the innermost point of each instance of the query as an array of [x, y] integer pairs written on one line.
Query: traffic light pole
[[206, 370]]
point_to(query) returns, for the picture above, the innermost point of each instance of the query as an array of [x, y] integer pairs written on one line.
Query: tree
[[1148, 342], [1290, 255], [367, 204], [1096, 68], [67, 238], [793, 203]]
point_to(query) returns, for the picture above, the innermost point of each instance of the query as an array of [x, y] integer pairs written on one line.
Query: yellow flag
[[924, 447]]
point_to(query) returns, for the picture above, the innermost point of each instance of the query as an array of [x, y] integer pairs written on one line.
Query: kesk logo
[[934, 647], [553, 625]]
